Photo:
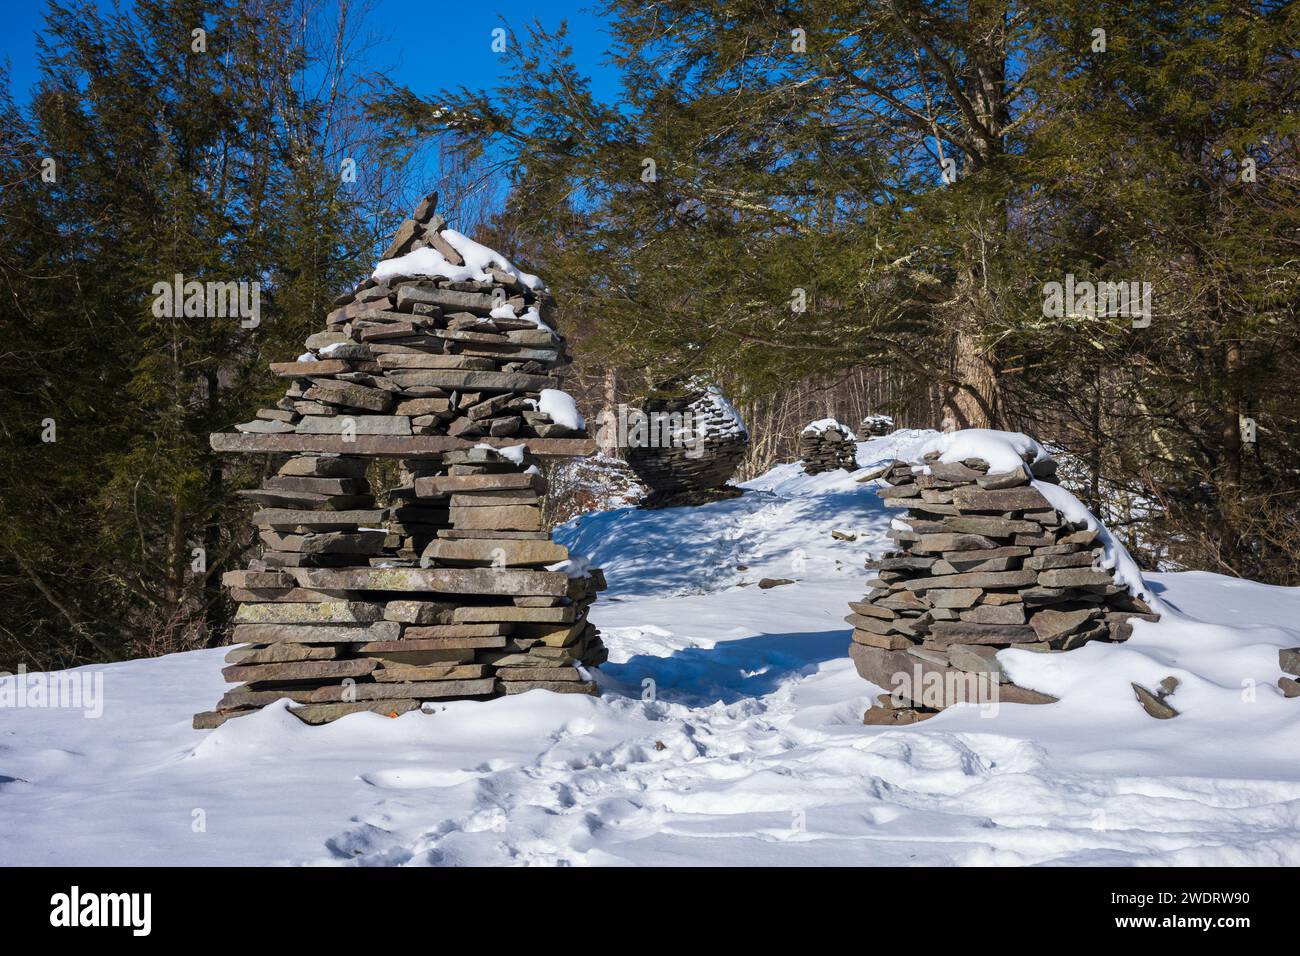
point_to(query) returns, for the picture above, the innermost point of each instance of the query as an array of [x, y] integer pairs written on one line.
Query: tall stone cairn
[[694, 467], [827, 445], [440, 592], [984, 563]]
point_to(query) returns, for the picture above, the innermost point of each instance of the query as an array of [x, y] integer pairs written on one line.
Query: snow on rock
[[714, 406], [514, 453], [754, 725], [574, 567], [1115, 556], [427, 261], [561, 408], [480, 258], [1004, 451], [823, 425]]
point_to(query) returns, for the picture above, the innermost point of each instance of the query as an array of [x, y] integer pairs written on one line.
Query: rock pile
[[985, 562], [691, 446], [451, 587], [1289, 659], [876, 425], [825, 445]]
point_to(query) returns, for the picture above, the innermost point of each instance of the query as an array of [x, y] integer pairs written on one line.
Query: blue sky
[[423, 44]]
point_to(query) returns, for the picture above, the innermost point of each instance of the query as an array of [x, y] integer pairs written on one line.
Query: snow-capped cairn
[[825, 445], [693, 442], [449, 587], [992, 554], [874, 426]]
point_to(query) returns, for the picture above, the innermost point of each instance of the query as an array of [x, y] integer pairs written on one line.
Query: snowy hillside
[[729, 731]]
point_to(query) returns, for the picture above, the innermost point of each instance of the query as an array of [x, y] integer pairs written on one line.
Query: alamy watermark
[[74, 908], [628, 427], [939, 689], [209, 300], [69, 690], [1098, 300]]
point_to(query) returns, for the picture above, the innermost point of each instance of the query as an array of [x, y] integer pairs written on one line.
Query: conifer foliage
[[173, 141]]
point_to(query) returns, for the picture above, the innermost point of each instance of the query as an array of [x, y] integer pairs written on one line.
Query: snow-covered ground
[[729, 732]]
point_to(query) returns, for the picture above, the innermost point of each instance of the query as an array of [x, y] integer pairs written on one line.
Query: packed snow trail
[[729, 732]]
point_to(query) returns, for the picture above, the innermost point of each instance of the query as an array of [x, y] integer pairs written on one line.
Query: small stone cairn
[[825, 445], [452, 588], [984, 562], [874, 426], [695, 442]]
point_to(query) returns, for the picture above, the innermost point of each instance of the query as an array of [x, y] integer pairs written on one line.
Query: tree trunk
[[977, 401], [1230, 490]]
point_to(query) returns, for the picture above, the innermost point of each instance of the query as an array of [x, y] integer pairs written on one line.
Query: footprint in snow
[[418, 778]]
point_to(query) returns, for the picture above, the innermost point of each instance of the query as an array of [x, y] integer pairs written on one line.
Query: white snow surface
[[750, 750]]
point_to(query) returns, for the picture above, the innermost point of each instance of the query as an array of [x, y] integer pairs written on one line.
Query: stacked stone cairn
[[874, 426], [826, 445], [984, 562], [692, 444], [450, 588]]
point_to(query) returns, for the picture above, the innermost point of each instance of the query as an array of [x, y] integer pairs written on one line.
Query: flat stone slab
[[461, 379], [1074, 577], [974, 579], [994, 527], [428, 690], [962, 632], [554, 686], [320, 612], [494, 518], [324, 713], [416, 673], [319, 520], [493, 581], [1050, 624], [500, 551], [510, 613], [457, 631], [278, 653], [393, 446], [371, 425], [315, 633], [1007, 499], [539, 672], [439, 486], [298, 670]]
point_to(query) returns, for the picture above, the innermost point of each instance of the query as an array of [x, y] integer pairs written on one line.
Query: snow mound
[[1004, 451]]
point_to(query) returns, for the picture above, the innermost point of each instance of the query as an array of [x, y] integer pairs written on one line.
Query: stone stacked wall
[[984, 562], [450, 587]]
